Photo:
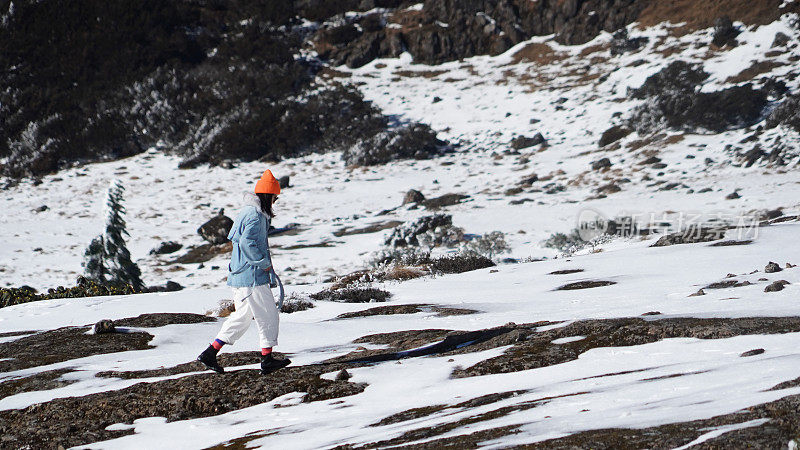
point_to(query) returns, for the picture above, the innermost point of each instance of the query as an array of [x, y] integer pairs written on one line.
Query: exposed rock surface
[[414, 141], [413, 196], [216, 229], [724, 32], [166, 247], [56, 423], [614, 134], [67, 343], [673, 99], [690, 236], [521, 142], [446, 30]]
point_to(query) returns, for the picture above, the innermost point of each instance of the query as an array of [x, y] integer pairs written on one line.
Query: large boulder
[[216, 230], [413, 196], [724, 32], [614, 134], [166, 247], [521, 142]]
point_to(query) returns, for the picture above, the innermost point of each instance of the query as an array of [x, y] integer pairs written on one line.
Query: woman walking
[[251, 275]]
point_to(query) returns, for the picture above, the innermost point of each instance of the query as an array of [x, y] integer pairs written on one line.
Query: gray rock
[[780, 40], [343, 375], [521, 142], [776, 286], [444, 200], [690, 236], [602, 163], [724, 32], [216, 230], [284, 182], [413, 196], [166, 247], [104, 326], [754, 352], [772, 267], [614, 134]]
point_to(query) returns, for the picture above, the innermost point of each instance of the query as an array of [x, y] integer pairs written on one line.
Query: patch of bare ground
[[225, 360], [592, 49], [42, 381], [786, 385], [155, 320], [64, 344], [565, 271], [323, 244], [442, 428], [782, 415], [725, 284], [15, 333], [83, 420], [730, 243], [755, 69], [781, 426], [373, 228], [419, 73], [585, 285], [697, 15], [532, 349], [203, 253], [441, 311], [539, 53]]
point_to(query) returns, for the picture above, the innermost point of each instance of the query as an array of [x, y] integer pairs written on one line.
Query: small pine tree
[[107, 258], [118, 259], [94, 261]]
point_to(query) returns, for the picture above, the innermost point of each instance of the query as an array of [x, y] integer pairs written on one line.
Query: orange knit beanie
[[268, 184]]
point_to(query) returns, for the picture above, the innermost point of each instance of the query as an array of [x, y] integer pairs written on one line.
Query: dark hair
[[266, 204]]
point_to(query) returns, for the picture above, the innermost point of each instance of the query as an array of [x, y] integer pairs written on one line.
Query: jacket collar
[[251, 199]]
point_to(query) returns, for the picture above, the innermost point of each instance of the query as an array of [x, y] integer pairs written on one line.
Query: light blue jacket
[[250, 259]]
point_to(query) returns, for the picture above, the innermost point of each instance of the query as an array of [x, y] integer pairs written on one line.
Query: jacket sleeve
[[248, 244]]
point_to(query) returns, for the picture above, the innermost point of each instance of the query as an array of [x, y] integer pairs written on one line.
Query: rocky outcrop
[[414, 141], [445, 30], [673, 98]]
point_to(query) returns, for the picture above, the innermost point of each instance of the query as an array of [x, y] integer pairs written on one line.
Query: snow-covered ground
[[647, 279], [485, 102]]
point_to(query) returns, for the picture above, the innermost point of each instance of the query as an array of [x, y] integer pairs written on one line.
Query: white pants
[[252, 303]]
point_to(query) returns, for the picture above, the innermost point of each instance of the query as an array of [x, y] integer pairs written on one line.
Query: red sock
[[217, 344], [266, 351]]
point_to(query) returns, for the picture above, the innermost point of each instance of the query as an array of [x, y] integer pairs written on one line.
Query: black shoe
[[270, 364], [209, 358]]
